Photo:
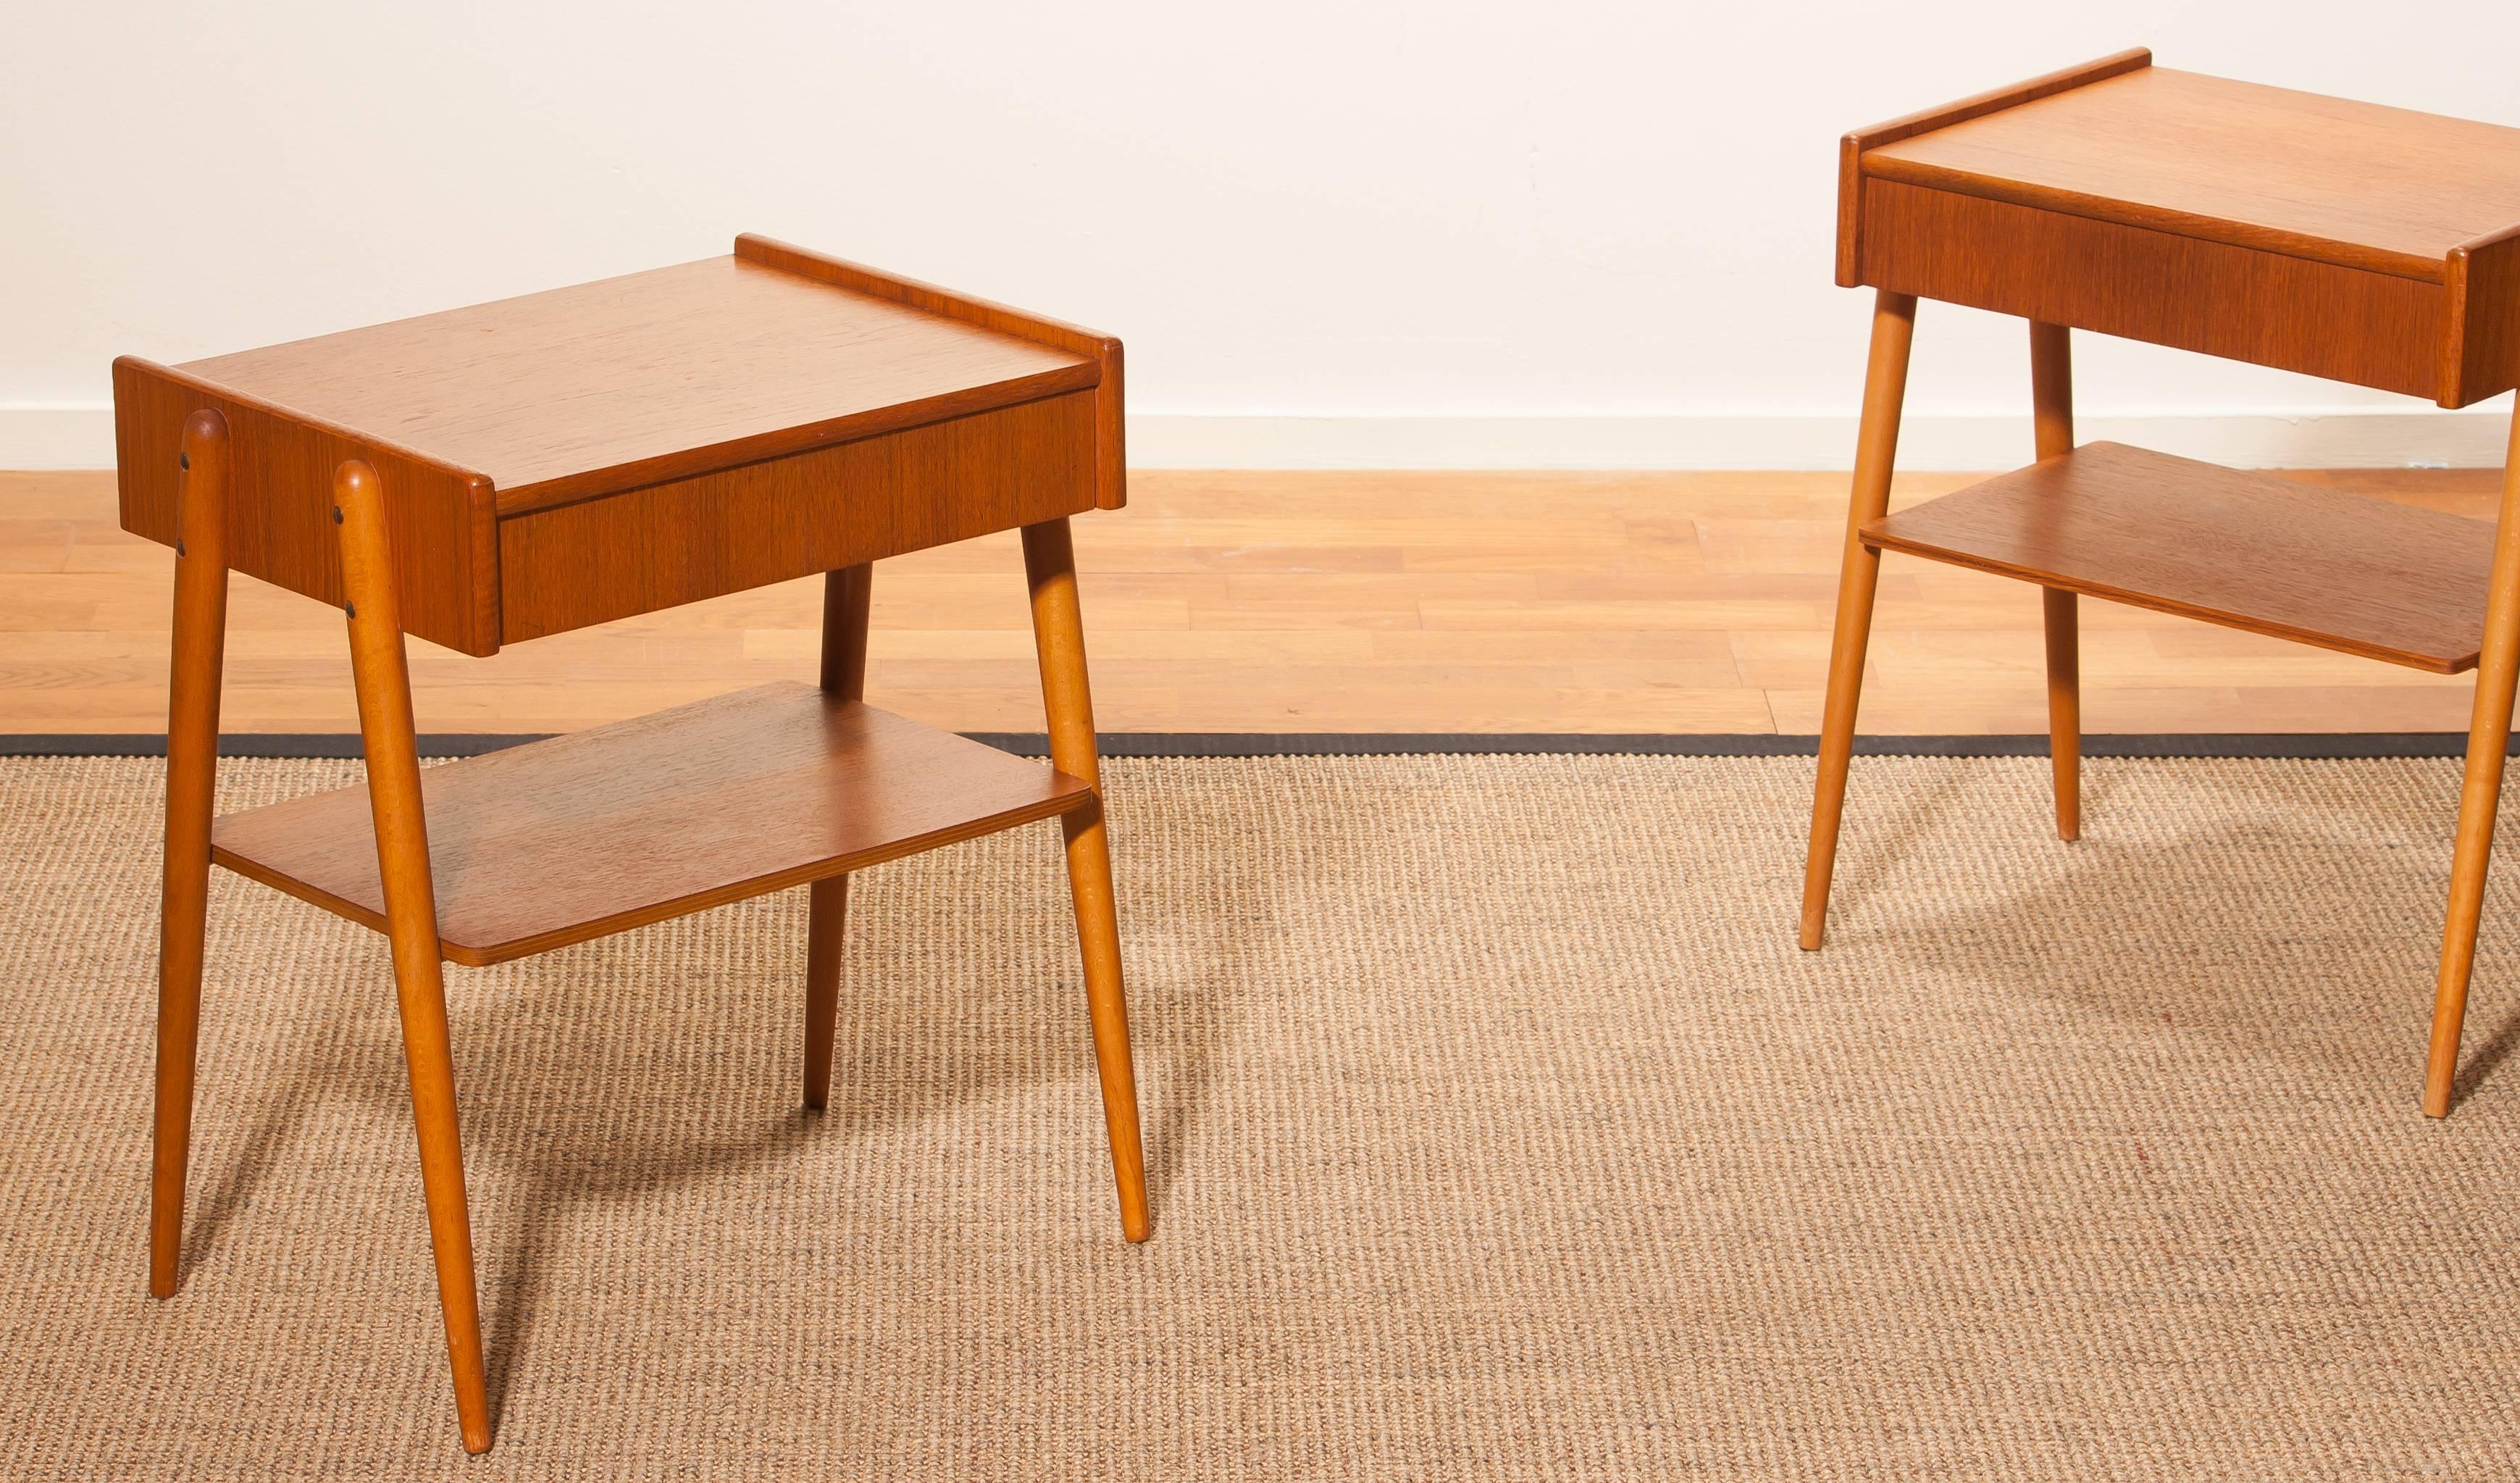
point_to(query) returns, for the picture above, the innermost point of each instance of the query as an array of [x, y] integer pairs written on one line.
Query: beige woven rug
[[1497, 1130]]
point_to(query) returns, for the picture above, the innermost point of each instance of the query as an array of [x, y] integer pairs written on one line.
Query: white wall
[[1445, 231]]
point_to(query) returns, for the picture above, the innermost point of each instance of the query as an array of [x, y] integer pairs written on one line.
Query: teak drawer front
[[280, 522], [2338, 323], [673, 543]]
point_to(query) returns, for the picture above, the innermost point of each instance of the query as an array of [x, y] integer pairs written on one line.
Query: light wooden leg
[[2489, 735], [1876, 446], [410, 916], [191, 774], [2051, 397], [846, 595], [1058, 632]]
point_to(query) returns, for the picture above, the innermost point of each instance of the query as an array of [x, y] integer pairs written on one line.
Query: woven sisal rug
[[1497, 1130]]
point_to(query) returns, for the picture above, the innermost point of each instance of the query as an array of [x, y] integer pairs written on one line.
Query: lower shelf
[[2244, 550], [595, 832]]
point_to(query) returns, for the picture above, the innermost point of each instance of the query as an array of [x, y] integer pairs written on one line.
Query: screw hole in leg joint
[[337, 514], [182, 460], [179, 548], [353, 608]]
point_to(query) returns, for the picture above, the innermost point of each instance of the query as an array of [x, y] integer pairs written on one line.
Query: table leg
[[2489, 737], [191, 774], [2051, 395], [411, 915], [1876, 446], [846, 595], [1058, 634]]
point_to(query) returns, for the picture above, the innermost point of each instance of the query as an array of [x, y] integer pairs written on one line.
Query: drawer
[[2322, 319], [663, 545]]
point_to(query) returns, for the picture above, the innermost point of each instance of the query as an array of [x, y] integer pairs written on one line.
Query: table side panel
[[2341, 323], [668, 544], [2483, 359], [280, 505]]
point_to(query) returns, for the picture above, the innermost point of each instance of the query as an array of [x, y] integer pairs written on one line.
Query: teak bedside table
[[519, 469], [2359, 244]]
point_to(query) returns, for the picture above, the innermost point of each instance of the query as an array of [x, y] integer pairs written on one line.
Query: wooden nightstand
[[2342, 240], [492, 474]]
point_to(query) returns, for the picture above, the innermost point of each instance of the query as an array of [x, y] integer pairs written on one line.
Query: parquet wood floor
[[1271, 602]]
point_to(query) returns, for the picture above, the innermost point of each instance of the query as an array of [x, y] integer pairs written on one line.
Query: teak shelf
[[2366, 245], [491, 475], [2272, 555], [577, 836]]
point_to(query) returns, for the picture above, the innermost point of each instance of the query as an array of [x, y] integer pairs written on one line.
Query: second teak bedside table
[[2360, 243], [496, 473]]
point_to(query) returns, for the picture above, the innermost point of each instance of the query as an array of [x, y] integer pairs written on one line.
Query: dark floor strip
[[1387, 743]]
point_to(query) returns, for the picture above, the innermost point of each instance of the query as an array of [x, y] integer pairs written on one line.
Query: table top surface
[[2353, 183], [653, 376]]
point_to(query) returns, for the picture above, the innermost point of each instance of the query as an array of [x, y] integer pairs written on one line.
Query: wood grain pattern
[[595, 832], [2241, 303], [1851, 149], [1111, 460], [279, 516], [669, 544], [2354, 184], [2247, 551], [609, 385]]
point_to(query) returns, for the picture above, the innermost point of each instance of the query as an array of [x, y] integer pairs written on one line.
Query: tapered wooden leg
[[411, 918], [2051, 395], [2064, 708], [2489, 737], [1876, 446], [846, 594], [827, 914], [192, 773], [1058, 632]]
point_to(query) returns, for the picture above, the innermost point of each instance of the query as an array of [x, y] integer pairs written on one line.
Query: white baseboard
[[2344, 438], [80, 435]]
